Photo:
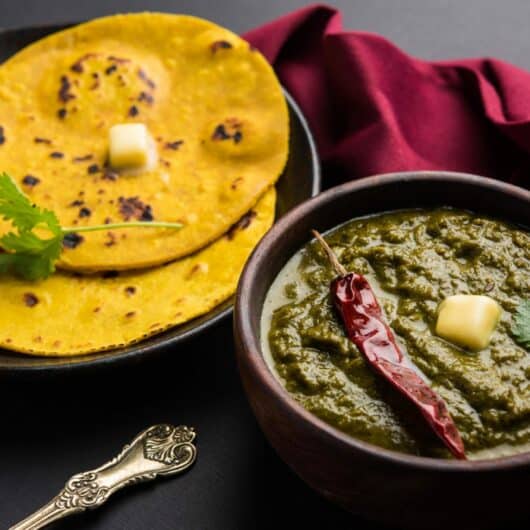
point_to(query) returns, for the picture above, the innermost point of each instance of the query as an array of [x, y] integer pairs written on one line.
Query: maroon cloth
[[374, 109]]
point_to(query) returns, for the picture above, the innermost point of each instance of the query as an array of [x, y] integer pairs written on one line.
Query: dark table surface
[[55, 426]]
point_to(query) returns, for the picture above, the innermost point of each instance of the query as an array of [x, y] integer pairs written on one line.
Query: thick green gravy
[[413, 259]]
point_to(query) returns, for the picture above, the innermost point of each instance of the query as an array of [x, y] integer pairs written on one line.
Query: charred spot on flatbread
[[243, 223], [72, 240], [134, 208], [65, 90], [30, 299], [173, 145], [220, 45], [230, 129], [30, 181]]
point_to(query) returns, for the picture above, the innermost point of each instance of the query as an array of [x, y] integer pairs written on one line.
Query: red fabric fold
[[374, 109]]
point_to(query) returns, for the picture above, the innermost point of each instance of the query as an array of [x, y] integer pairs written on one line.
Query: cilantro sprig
[[521, 325], [32, 255]]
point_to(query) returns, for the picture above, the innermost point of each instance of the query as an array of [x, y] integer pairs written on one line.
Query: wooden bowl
[[387, 486]]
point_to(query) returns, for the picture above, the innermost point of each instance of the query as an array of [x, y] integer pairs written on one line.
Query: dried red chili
[[362, 317]]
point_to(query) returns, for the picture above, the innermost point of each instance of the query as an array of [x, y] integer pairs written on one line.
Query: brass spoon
[[160, 450]]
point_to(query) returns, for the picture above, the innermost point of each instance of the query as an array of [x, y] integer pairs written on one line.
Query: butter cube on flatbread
[[129, 146]]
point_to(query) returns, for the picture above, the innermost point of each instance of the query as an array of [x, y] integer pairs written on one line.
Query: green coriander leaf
[[16, 207], [29, 255], [28, 267], [521, 326], [24, 242], [25, 253]]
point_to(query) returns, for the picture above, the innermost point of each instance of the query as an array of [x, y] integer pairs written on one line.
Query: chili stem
[[114, 226], [340, 270]]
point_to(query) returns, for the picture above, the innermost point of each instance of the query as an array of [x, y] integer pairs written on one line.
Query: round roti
[[211, 103], [70, 314]]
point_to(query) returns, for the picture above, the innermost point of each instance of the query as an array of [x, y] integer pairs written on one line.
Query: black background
[[57, 425]]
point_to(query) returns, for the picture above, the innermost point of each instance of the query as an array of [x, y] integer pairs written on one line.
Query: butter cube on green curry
[[468, 320]]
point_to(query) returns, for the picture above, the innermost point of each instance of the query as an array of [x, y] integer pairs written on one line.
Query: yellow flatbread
[[212, 104], [70, 314]]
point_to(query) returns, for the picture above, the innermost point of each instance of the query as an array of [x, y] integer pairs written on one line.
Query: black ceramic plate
[[300, 181]]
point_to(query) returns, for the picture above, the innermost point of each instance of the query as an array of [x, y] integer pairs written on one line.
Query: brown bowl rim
[[249, 342]]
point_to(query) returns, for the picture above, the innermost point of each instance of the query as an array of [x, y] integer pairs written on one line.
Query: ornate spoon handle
[[159, 450]]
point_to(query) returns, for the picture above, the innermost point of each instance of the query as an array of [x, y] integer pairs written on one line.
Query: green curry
[[413, 259]]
